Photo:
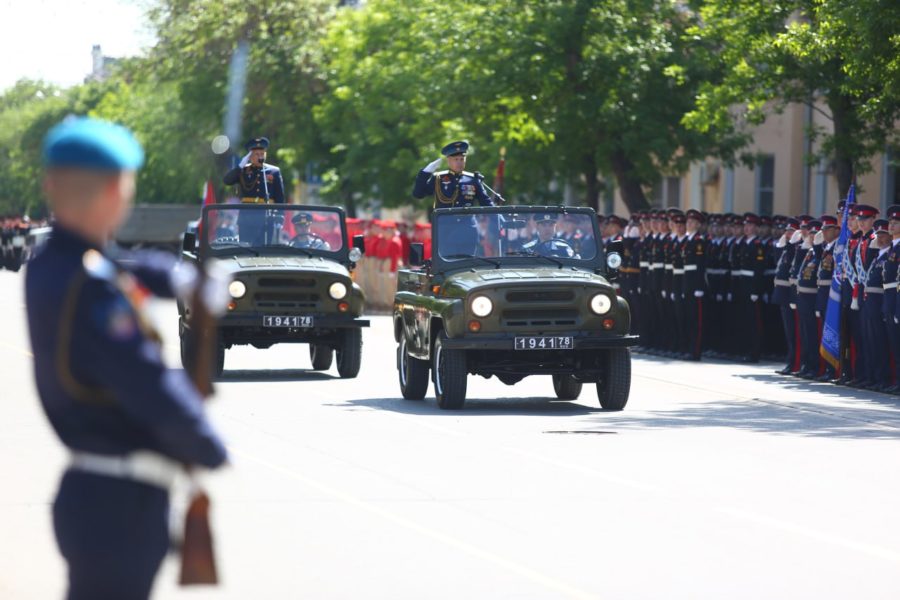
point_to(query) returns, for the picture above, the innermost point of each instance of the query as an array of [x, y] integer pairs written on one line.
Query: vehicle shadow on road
[[246, 376], [536, 406]]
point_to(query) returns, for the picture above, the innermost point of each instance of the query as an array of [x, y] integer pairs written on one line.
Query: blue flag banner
[[830, 349]]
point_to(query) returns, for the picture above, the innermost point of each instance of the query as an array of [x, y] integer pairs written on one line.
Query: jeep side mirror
[[359, 242], [416, 254], [189, 243]]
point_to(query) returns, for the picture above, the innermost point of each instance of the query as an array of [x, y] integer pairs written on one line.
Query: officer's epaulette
[[478, 176], [439, 173], [98, 266]]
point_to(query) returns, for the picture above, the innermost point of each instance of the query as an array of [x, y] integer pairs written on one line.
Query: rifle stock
[[198, 561]]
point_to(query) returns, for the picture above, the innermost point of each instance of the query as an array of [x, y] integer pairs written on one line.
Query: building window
[[667, 193], [765, 185]]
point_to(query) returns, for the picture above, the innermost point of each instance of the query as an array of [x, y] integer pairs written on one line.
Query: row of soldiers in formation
[[13, 241], [746, 286]]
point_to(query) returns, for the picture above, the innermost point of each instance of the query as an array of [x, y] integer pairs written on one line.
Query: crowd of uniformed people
[[14, 241], [746, 287]]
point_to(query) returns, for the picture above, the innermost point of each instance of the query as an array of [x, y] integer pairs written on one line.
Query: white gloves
[[754, 297], [854, 304], [729, 296], [818, 315], [818, 238], [782, 241], [183, 278], [633, 232], [718, 297], [798, 235], [672, 296], [663, 295], [793, 306], [244, 161], [896, 321], [432, 166], [698, 293]]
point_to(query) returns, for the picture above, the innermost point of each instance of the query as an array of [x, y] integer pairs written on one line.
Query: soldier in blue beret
[[453, 187], [256, 182], [128, 421]]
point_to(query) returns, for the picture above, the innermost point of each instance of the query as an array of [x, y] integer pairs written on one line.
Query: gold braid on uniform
[[441, 197], [249, 183]]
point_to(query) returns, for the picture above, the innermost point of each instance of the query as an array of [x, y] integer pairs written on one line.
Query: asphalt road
[[716, 481]]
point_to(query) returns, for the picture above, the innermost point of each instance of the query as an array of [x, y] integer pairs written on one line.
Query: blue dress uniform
[[876, 338], [256, 185], [106, 392], [862, 259], [449, 189], [807, 292], [823, 281], [890, 277], [783, 295]]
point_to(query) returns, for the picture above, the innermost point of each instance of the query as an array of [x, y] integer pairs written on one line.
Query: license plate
[[550, 342], [287, 321]]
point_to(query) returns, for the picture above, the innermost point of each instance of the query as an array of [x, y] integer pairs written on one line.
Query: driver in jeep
[[304, 238], [546, 244]]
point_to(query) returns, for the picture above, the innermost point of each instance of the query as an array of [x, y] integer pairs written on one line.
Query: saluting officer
[[256, 182], [128, 421], [453, 187], [807, 290], [783, 294], [830, 233]]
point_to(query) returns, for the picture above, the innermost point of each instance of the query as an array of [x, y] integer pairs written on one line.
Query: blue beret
[[259, 142], [86, 143], [455, 148]]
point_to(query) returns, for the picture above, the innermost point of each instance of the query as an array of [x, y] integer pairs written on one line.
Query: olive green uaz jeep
[[511, 292], [291, 268]]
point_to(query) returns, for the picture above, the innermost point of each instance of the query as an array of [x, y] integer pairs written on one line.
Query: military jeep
[[291, 281], [511, 292]]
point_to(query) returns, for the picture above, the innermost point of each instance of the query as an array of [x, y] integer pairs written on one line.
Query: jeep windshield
[[285, 228], [548, 235]]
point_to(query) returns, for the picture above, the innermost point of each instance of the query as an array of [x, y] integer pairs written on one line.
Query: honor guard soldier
[[807, 290], [830, 233], [861, 257], [890, 276], [849, 306], [694, 254], [749, 289], [453, 187], [878, 350], [128, 421], [783, 293], [256, 182]]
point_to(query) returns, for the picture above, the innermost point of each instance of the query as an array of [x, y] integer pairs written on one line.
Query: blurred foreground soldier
[[128, 421], [256, 182], [454, 187]]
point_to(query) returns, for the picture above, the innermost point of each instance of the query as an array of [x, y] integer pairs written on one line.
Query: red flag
[[209, 197], [501, 170]]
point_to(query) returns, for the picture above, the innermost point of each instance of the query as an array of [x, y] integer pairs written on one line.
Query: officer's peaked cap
[[893, 212], [881, 226], [865, 211], [302, 218], [544, 217], [260, 142], [86, 143], [454, 148], [828, 221]]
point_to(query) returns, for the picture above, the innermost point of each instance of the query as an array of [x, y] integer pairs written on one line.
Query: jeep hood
[[472, 279], [316, 264]]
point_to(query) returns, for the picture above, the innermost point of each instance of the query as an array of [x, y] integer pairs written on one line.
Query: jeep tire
[[321, 357], [566, 387], [412, 373], [449, 375], [349, 353], [613, 388]]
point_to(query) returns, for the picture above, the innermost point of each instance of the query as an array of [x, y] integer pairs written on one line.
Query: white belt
[[769, 272], [142, 466], [669, 267], [716, 271], [874, 290], [807, 290], [782, 283], [890, 286], [644, 264], [825, 282], [743, 273], [690, 267], [678, 271]]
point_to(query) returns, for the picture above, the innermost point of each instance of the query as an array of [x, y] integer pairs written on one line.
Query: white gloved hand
[[818, 315], [782, 241], [854, 304], [798, 235], [214, 294], [183, 279], [793, 306], [244, 161], [432, 166], [754, 297], [698, 293], [718, 297], [896, 321], [729, 297], [672, 296], [663, 295], [819, 238], [639, 290]]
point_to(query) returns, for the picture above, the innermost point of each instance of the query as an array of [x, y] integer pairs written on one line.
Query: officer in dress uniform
[[890, 276], [256, 182], [807, 291], [546, 243], [304, 238], [862, 258], [127, 420], [751, 265], [694, 254], [849, 314], [830, 232], [878, 350], [783, 294]]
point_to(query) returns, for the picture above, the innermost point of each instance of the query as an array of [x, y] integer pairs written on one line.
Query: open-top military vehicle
[[510, 292], [291, 268]]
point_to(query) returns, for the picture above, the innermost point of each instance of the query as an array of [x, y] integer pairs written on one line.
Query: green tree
[[845, 53]]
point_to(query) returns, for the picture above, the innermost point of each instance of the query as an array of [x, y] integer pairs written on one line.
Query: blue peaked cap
[[86, 143]]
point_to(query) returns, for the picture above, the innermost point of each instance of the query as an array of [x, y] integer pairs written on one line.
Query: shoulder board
[[98, 266], [444, 172], [269, 167], [469, 173]]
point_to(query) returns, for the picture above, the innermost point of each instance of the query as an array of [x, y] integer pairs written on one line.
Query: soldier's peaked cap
[[302, 218], [255, 143], [544, 217], [751, 218], [881, 226], [828, 221], [86, 143], [455, 148], [893, 212], [866, 212]]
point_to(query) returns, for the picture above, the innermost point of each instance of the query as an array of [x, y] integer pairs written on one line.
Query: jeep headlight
[[237, 289], [481, 306], [601, 304], [337, 290]]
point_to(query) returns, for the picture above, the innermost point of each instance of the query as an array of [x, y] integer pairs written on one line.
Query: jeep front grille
[[538, 318], [540, 296], [283, 282], [285, 301]]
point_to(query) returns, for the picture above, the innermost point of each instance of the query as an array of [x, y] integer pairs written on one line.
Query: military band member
[[303, 237], [127, 420]]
